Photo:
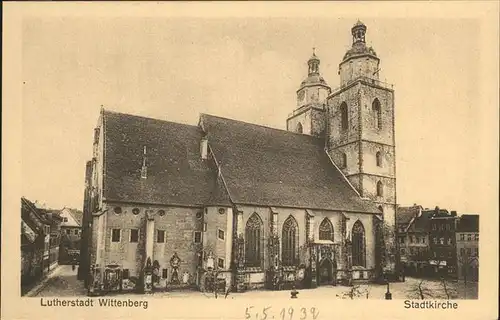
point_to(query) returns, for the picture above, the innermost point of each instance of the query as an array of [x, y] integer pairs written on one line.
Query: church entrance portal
[[325, 272]]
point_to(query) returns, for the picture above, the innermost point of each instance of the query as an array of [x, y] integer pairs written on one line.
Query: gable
[[69, 218]]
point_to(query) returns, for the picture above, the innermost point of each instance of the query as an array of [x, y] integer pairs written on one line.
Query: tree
[[450, 291], [419, 291], [355, 292], [466, 263]]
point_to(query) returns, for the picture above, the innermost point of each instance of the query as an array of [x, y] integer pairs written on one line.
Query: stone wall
[[179, 224]]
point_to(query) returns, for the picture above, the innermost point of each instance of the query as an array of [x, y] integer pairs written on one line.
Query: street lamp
[[388, 294]]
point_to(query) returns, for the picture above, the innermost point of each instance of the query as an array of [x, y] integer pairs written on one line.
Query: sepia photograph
[[181, 157]]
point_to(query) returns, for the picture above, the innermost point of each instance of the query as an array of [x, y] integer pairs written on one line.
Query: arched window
[[253, 243], [358, 244], [344, 160], [326, 230], [380, 189], [379, 159], [377, 113], [381, 209], [344, 116], [299, 127], [290, 238]]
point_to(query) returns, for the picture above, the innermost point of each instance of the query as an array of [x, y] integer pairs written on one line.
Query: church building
[[238, 206]]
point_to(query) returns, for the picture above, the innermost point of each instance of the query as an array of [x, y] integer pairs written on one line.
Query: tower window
[[344, 116], [344, 160], [379, 159], [377, 113], [299, 128], [380, 189]]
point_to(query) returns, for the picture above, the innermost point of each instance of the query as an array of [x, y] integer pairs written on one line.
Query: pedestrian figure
[[73, 267]]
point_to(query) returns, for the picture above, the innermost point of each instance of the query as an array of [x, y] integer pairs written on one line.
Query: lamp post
[[388, 294]]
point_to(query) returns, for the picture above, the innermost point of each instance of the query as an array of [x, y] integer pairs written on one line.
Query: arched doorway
[[325, 272]]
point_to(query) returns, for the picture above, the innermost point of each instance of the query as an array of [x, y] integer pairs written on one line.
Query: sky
[[247, 69]]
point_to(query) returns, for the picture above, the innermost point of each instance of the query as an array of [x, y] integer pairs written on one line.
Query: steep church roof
[[176, 174], [258, 165], [272, 167]]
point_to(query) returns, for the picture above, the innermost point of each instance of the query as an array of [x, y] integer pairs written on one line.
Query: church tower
[[360, 126], [309, 116]]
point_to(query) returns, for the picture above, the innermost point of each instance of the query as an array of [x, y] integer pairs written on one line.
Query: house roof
[[422, 222], [272, 167], [176, 174], [405, 214], [39, 220], [76, 214], [468, 223]]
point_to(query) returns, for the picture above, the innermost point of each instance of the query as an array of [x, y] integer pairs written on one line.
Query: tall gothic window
[[299, 128], [253, 243], [358, 244], [379, 159], [377, 113], [344, 116], [326, 230], [290, 238], [380, 189]]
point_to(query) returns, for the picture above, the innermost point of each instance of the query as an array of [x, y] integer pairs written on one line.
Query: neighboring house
[[55, 220], [418, 246], [443, 252], [166, 203], [404, 217], [71, 229], [35, 244], [467, 238]]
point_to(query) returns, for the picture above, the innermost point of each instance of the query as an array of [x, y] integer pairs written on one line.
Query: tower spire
[[358, 32], [313, 64]]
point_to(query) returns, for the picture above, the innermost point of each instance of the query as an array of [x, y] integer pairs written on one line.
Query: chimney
[[204, 147], [453, 213]]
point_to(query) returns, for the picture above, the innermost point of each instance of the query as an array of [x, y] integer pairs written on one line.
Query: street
[[63, 283]]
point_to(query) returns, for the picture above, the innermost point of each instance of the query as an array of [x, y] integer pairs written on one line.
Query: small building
[[443, 252], [404, 216], [35, 244], [71, 231], [467, 239], [417, 237], [54, 219]]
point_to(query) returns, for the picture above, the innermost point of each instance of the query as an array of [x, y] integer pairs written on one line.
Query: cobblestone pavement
[[432, 289], [64, 283]]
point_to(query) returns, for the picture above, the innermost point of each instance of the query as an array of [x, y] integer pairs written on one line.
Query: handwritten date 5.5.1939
[[290, 313]]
